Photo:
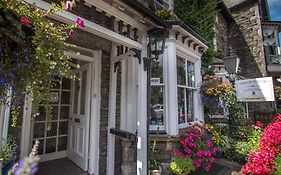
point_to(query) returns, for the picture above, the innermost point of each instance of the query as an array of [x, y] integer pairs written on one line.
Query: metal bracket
[[116, 65]]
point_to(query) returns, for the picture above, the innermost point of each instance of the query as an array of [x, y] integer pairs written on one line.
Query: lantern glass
[[157, 38]]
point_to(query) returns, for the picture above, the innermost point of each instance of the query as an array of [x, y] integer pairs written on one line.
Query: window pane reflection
[[157, 105]]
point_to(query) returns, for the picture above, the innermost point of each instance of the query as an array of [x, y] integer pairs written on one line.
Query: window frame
[[186, 88]]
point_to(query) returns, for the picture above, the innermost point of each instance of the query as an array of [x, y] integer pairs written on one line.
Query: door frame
[[94, 58]]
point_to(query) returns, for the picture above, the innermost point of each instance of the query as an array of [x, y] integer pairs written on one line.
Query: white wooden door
[[79, 117]]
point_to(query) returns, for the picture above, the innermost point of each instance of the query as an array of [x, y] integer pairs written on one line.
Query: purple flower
[[71, 33], [68, 5]]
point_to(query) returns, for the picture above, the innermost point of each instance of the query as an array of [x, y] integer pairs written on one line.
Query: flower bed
[[263, 160]]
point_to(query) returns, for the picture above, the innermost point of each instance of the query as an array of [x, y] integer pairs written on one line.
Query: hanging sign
[[258, 89]]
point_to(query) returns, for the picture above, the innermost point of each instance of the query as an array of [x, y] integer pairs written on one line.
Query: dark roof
[[272, 23], [146, 11], [225, 12], [188, 29]]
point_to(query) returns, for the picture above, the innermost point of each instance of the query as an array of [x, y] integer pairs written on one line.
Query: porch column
[[26, 125], [198, 105], [142, 115], [172, 102]]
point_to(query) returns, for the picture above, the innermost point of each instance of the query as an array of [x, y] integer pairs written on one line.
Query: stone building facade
[[239, 27]]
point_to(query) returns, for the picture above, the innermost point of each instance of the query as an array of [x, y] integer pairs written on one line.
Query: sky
[[275, 9]]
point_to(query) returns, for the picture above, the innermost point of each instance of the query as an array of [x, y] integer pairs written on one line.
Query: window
[[185, 88], [157, 95]]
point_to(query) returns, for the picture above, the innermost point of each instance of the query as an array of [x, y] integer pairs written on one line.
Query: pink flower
[[71, 33], [199, 153], [68, 5], [209, 143], [207, 169], [24, 20], [80, 22]]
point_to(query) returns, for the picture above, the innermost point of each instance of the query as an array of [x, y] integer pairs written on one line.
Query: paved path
[[59, 167]]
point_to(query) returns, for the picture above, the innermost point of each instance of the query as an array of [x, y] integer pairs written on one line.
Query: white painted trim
[[184, 51], [95, 114], [142, 116], [5, 116], [53, 156], [123, 96], [131, 95], [117, 13], [90, 27], [26, 125], [7, 109], [2, 114], [179, 28], [172, 102]]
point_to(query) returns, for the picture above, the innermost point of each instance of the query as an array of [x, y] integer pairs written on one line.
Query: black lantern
[[157, 38]]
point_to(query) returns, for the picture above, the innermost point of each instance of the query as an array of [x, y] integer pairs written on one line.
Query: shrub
[[262, 160], [182, 165], [7, 150]]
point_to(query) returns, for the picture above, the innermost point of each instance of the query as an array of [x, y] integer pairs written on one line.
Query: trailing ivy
[[200, 15], [31, 52]]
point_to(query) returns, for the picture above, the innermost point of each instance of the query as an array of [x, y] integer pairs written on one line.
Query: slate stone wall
[[221, 33], [245, 37]]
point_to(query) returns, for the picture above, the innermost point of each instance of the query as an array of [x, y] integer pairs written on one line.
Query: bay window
[[185, 90]]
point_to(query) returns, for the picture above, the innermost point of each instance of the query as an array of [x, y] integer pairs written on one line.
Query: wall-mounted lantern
[[231, 62]]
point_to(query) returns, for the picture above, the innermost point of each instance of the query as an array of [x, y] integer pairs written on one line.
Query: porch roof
[[272, 23]]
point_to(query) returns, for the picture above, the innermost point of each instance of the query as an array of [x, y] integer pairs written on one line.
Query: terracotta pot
[[155, 172]]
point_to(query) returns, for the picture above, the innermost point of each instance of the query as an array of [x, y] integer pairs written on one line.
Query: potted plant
[[7, 154], [154, 163], [196, 144]]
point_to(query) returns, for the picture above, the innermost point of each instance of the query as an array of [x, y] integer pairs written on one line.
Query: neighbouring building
[[100, 122], [245, 27]]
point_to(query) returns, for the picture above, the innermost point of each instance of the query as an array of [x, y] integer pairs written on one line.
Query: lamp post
[[156, 45]]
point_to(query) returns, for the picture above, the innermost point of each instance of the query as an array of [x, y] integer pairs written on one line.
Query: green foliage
[[182, 165], [219, 136], [199, 14], [277, 165], [32, 51], [154, 163], [166, 14], [7, 150], [245, 141]]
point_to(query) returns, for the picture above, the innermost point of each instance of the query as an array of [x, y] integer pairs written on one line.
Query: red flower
[[261, 161], [24, 20]]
